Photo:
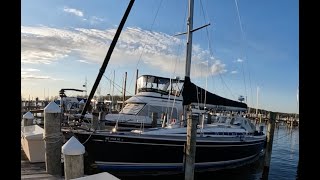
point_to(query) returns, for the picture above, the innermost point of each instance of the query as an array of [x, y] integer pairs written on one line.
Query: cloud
[[29, 70], [218, 68], [239, 60], [95, 20], [92, 20], [31, 74], [234, 72], [84, 61], [30, 77], [73, 11], [46, 45], [27, 76]]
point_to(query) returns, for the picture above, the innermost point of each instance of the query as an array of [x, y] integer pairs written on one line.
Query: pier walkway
[[34, 171]]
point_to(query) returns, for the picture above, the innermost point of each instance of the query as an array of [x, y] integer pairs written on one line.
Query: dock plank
[[34, 171]]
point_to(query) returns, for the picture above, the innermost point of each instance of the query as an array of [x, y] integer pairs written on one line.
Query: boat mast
[[188, 54], [189, 40], [190, 146], [107, 58], [187, 81]]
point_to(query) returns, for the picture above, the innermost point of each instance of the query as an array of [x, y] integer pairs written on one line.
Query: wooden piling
[[95, 122], [260, 118], [182, 120], [73, 152], [209, 119], [164, 120], [268, 149], [154, 116], [190, 150], [53, 138], [81, 105], [27, 119], [102, 115]]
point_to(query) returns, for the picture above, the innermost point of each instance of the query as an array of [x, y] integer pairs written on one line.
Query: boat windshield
[[159, 84], [160, 110], [147, 110], [131, 108]]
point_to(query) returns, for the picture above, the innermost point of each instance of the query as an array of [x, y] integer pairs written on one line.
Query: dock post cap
[[28, 115], [52, 107], [73, 147]]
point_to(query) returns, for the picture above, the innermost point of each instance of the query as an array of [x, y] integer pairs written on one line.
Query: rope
[[88, 137], [87, 130], [53, 138]]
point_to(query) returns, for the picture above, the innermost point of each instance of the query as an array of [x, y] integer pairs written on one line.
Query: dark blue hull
[[147, 154]]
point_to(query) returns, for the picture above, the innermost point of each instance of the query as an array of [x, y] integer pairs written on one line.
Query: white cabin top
[[162, 85]]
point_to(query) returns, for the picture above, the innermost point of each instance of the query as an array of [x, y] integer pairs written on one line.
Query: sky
[[250, 48]]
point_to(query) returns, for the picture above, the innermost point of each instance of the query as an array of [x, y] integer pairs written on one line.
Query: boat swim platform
[[34, 171]]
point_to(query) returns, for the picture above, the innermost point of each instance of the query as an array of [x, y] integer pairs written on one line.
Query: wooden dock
[[36, 171]]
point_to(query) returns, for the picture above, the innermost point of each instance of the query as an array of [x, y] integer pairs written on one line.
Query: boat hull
[[129, 153], [128, 124]]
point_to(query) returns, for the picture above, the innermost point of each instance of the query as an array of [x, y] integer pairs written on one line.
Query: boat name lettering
[[113, 139]]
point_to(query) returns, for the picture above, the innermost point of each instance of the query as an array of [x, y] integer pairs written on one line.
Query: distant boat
[[69, 103]]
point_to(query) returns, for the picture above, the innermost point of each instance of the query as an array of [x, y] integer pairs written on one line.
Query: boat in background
[[163, 96]]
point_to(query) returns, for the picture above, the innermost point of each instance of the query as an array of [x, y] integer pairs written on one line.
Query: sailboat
[[230, 142]]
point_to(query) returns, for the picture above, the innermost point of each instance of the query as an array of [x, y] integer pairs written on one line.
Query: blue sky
[[65, 42]]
